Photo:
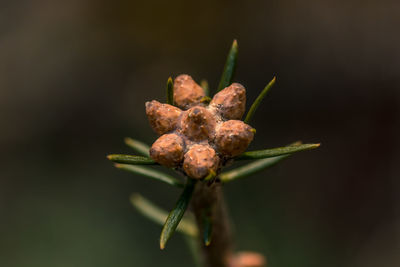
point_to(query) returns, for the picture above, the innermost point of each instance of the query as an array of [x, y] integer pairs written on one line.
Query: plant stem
[[210, 198]]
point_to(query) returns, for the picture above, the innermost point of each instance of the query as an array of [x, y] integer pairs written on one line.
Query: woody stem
[[209, 199]]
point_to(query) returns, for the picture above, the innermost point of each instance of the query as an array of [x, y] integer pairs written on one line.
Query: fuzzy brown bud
[[248, 259], [233, 137], [231, 102], [162, 117], [168, 150], [199, 161], [197, 123], [187, 92]]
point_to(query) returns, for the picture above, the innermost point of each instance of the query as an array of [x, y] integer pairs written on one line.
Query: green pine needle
[[229, 68], [205, 86], [273, 152], [211, 175], [170, 91], [250, 168], [205, 100], [253, 167], [138, 146], [258, 100], [177, 213], [146, 208], [160, 176], [131, 159], [207, 230]]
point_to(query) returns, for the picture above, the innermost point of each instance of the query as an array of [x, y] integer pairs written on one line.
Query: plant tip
[[205, 99], [211, 174], [134, 197], [128, 140], [162, 246]]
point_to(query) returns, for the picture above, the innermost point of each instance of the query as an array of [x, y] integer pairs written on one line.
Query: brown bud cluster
[[196, 137]]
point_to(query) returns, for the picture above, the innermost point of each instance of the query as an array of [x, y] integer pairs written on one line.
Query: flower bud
[[199, 161], [168, 150], [197, 123], [231, 101], [162, 117], [187, 92], [233, 137]]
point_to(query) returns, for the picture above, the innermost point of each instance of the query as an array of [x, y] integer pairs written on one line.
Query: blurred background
[[74, 76]]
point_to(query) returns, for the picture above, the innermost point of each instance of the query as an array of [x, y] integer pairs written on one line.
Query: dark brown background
[[74, 76]]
